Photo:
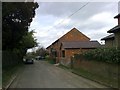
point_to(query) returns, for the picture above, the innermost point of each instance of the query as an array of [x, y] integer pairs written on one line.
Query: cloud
[[64, 9], [101, 16], [52, 21]]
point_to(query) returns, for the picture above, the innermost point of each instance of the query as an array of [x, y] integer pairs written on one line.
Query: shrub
[[108, 55], [51, 60]]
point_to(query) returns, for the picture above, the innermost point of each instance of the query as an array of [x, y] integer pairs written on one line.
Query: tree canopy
[[16, 19]]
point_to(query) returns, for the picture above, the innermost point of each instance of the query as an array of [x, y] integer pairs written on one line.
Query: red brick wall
[[70, 53], [74, 35]]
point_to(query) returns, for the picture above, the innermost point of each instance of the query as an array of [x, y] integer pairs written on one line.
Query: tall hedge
[[108, 55]]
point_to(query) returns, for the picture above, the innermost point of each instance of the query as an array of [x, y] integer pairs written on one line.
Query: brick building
[[69, 44]]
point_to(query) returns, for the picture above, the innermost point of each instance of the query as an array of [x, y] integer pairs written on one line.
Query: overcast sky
[[94, 20]]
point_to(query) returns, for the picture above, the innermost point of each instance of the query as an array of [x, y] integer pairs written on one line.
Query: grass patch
[[64, 67], [96, 77], [8, 72]]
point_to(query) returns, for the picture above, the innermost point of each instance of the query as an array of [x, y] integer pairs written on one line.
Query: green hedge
[[108, 55]]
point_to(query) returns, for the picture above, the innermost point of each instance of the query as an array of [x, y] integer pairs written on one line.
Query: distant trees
[[16, 19], [41, 51]]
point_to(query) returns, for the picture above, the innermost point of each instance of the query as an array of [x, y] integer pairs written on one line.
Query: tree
[[41, 51], [16, 19], [28, 41]]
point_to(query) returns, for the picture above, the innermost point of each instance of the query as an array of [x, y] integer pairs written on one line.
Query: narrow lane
[[44, 75]]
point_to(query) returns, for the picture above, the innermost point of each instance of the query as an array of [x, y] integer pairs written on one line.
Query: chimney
[[118, 17]]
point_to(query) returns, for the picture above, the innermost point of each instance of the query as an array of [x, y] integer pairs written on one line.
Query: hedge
[[108, 55]]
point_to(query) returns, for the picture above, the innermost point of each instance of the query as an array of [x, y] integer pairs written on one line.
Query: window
[[63, 53]]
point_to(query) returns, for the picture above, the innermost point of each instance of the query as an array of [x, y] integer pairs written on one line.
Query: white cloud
[[51, 21], [100, 17]]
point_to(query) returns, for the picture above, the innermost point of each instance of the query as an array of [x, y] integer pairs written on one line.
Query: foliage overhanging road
[[44, 75]]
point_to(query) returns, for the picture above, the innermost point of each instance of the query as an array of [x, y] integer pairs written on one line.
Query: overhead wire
[[69, 16]]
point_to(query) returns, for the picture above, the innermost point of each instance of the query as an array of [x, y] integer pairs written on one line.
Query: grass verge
[[8, 73], [64, 67]]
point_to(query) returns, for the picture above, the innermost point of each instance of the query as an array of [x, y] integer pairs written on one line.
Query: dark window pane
[[63, 53]]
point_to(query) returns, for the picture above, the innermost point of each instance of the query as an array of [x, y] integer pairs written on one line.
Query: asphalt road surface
[[44, 75]]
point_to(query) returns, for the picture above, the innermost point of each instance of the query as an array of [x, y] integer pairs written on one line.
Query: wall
[[69, 53], [101, 72], [110, 43], [74, 35], [117, 39]]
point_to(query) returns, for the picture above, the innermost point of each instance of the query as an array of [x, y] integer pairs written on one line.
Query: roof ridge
[[80, 41]]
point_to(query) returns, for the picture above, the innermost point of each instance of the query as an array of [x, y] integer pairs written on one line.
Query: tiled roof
[[81, 44], [108, 37], [114, 29]]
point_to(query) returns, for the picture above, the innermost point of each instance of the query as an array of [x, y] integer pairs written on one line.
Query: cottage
[[116, 31], [114, 39], [69, 44]]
